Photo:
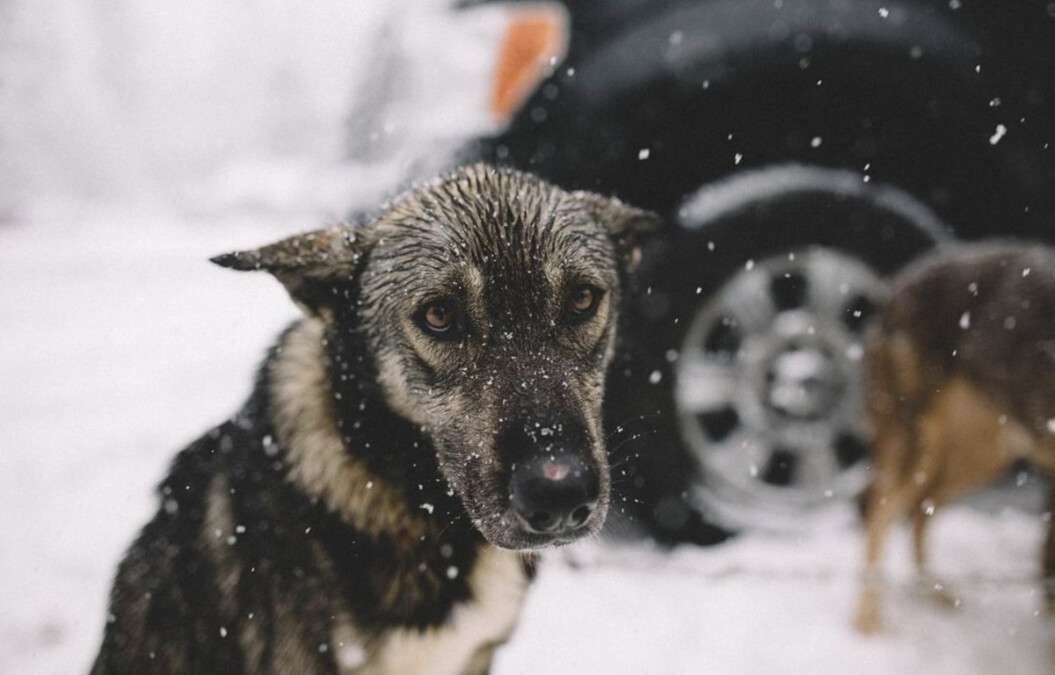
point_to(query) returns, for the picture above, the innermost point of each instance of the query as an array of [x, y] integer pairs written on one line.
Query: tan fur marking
[[473, 630], [393, 378], [216, 529], [219, 535], [318, 462]]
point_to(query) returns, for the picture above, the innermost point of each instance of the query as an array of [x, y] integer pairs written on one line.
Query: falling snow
[[1001, 130], [143, 377]]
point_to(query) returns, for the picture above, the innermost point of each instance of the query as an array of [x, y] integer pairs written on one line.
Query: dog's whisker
[[619, 446], [623, 427]]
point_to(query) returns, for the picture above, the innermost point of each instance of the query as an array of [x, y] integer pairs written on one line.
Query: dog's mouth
[[578, 527], [511, 532]]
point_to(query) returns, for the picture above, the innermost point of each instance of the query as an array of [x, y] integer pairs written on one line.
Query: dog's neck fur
[[384, 513], [345, 447]]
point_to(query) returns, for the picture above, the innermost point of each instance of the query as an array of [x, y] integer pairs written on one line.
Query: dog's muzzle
[[554, 483]]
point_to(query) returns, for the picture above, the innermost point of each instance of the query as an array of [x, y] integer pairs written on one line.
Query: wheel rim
[[768, 387]]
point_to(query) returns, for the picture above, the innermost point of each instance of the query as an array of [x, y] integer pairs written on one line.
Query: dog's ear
[[628, 226], [313, 266]]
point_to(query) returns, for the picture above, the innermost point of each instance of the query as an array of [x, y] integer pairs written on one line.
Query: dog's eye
[[439, 318], [583, 301]]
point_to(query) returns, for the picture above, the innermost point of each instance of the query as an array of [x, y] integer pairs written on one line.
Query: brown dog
[[960, 374]]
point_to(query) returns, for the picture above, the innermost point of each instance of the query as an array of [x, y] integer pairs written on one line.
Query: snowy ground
[[136, 140]]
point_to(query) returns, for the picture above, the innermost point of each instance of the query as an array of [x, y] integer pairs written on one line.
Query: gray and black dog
[[435, 413]]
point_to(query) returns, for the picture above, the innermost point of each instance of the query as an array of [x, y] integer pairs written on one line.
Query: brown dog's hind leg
[[894, 397], [894, 492], [963, 443], [928, 583], [920, 520], [886, 508]]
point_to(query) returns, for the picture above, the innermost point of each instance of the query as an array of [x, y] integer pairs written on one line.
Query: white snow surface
[[136, 140]]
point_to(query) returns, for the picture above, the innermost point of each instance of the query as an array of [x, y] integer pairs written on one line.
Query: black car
[[801, 150]]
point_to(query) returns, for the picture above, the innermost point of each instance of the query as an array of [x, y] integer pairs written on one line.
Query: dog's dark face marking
[[488, 301]]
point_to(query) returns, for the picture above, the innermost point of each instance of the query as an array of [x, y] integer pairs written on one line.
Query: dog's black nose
[[554, 494]]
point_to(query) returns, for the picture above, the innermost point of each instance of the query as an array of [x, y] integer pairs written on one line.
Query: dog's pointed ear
[[628, 226], [313, 266]]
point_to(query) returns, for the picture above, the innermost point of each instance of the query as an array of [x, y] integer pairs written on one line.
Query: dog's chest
[[464, 643]]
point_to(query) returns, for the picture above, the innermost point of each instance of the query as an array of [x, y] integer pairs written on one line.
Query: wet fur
[[346, 520], [955, 401]]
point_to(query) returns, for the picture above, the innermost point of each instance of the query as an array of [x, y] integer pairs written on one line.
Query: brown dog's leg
[[894, 492], [929, 584], [920, 520], [892, 402], [934, 477], [885, 510]]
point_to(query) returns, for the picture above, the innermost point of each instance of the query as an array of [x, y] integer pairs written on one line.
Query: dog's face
[[488, 301]]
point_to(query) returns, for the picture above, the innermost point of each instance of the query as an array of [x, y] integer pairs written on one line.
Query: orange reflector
[[535, 38]]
